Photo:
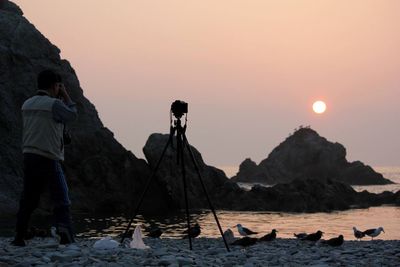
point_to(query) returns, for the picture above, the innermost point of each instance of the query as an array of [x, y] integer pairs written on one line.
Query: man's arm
[[64, 111]]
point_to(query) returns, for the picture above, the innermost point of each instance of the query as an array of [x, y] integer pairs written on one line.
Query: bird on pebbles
[[357, 233], [245, 241], [314, 236], [334, 242], [243, 231], [269, 237], [373, 232], [194, 231]]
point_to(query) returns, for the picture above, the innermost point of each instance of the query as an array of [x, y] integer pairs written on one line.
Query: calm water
[[286, 223], [332, 224]]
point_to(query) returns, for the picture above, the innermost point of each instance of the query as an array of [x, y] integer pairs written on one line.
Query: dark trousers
[[40, 174]]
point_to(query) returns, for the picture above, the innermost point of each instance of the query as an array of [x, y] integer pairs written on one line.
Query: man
[[44, 117]]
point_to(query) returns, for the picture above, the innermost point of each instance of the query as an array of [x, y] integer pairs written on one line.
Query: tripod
[[182, 143]]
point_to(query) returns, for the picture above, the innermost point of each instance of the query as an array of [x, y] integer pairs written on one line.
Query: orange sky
[[250, 70]]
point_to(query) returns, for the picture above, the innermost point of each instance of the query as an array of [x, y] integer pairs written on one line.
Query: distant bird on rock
[[154, 232], [314, 237], [373, 232], [334, 242], [243, 231], [194, 231], [300, 235], [358, 234], [229, 236], [269, 237], [245, 241]]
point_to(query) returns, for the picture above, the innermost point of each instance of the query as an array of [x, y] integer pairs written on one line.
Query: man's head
[[50, 81]]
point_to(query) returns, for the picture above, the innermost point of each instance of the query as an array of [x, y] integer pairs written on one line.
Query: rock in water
[[306, 154], [101, 173]]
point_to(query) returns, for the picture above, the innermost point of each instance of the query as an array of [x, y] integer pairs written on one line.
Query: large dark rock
[[300, 195], [170, 174], [306, 154], [103, 176]]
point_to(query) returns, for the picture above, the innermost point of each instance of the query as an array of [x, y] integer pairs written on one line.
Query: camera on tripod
[[178, 108]]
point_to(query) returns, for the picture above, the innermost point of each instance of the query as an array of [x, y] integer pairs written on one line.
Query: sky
[[249, 70]]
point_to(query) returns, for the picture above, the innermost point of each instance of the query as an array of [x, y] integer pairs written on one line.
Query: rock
[[306, 154], [169, 173], [301, 195], [102, 174], [46, 259], [167, 260], [185, 261]]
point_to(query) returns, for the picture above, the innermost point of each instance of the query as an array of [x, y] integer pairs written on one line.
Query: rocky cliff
[[306, 154], [102, 175]]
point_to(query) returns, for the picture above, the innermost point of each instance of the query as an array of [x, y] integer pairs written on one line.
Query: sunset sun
[[319, 107]]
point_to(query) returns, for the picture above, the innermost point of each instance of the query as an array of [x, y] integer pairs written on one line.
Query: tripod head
[[178, 109]]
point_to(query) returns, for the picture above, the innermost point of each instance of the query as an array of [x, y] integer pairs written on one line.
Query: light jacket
[[44, 119]]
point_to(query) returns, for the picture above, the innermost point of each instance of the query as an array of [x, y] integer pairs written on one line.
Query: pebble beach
[[206, 252]]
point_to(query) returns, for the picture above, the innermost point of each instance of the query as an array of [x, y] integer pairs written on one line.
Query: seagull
[[245, 241], [243, 231], [300, 235], [194, 231], [334, 242], [154, 232], [314, 237], [229, 236], [269, 237], [358, 234], [373, 232]]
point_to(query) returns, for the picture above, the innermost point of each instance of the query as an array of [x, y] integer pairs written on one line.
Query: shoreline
[[206, 252]]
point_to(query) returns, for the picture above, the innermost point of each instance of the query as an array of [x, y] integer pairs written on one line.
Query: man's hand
[[62, 91]]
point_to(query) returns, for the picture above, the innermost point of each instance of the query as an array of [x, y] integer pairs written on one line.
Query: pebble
[[206, 252]]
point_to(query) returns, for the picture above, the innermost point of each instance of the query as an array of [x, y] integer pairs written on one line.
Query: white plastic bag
[[137, 240], [106, 243]]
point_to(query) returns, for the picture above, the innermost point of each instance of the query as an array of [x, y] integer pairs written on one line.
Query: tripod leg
[[186, 143], [182, 162], [146, 188]]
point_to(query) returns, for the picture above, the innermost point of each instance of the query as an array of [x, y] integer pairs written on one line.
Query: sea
[[286, 223]]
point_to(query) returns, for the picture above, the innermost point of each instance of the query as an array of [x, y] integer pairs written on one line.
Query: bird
[[300, 235], [194, 231], [334, 242], [245, 241], [357, 233], [243, 231], [373, 232], [314, 236], [154, 232], [229, 236], [269, 237]]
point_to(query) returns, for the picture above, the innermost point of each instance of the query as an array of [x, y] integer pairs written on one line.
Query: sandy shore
[[206, 252]]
